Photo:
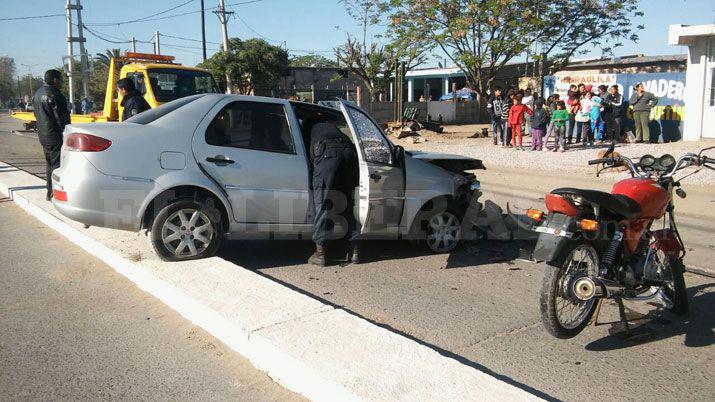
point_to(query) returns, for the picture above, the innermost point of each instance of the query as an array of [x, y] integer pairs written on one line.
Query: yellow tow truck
[[157, 77]]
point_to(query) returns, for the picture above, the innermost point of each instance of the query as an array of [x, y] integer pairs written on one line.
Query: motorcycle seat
[[616, 203]]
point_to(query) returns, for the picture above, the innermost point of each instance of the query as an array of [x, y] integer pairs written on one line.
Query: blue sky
[[304, 25]]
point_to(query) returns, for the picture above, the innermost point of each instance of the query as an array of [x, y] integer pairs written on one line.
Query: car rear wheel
[[187, 230]]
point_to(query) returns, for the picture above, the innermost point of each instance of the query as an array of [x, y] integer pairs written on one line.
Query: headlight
[[475, 185]]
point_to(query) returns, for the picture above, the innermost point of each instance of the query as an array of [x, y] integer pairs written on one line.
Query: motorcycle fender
[[555, 239], [666, 240]]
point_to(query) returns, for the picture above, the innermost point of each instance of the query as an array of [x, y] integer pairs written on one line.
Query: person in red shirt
[[516, 119]]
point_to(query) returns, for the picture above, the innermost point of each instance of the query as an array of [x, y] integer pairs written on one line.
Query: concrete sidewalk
[[305, 345]]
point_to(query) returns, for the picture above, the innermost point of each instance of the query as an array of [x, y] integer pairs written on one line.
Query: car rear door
[[382, 179], [250, 149]]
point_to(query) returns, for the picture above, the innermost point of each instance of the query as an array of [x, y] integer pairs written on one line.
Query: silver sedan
[[199, 168]]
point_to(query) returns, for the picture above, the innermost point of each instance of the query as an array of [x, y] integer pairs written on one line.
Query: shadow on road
[[267, 254], [697, 326]]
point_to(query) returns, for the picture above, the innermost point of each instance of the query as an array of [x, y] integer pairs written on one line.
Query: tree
[[481, 36], [252, 65], [312, 60], [375, 64], [103, 58], [7, 84]]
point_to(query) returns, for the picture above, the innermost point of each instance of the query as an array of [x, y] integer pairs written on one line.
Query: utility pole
[[82, 52], [157, 43], [70, 52], [134, 44], [221, 13], [29, 77], [203, 31]]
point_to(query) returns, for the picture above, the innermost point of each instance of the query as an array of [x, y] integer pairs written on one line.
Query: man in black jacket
[[132, 101], [335, 176], [52, 115]]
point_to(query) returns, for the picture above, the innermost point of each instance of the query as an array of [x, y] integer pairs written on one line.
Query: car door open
[[381, 192]]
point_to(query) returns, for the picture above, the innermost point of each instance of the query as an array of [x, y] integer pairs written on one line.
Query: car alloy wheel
[[444, 231], [187, 233]]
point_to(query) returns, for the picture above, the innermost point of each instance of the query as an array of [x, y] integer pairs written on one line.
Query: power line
[[148, 19], [188, 39], [31, 17], [143, 19]]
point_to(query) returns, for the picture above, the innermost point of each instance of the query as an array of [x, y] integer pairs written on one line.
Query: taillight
[[86, 143]]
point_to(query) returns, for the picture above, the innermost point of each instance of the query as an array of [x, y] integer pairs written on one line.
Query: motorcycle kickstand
[[597, 313], [622, 314]]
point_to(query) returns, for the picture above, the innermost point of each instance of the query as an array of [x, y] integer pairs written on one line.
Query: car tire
[[438, 231], [187, 229]]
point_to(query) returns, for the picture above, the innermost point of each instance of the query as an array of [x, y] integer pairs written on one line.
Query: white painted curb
[[308, 347]]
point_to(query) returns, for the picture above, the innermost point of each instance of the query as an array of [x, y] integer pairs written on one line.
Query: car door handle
[[219, 159]]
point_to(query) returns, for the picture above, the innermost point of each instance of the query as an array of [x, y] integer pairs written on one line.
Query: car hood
[[453, 163]]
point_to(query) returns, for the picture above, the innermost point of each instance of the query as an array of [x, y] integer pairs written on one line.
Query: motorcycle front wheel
[[564, 316]]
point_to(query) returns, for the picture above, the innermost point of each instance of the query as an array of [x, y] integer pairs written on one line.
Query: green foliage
[[251, 64], [103, 58], [481, 36], [312, 60], [7, 74], [97, 82]]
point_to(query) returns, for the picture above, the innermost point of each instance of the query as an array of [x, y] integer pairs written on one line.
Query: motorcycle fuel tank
[[651, 196]]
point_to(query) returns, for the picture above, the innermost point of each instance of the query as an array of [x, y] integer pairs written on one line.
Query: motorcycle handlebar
[[598, 161]]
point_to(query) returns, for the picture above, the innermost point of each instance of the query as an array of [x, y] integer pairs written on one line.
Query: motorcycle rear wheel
[[562, 316]]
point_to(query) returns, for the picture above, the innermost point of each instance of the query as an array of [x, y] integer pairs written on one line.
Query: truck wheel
[[187, 230]]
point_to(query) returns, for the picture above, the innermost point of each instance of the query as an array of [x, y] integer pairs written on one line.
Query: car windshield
[[170, 84]]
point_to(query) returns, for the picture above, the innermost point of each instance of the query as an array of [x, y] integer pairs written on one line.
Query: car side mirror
[[398, 155]]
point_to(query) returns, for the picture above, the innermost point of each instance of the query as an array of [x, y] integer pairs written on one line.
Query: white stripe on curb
[[308, 347]]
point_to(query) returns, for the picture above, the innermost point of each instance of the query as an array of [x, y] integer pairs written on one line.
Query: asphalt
[[71, 328], [479, 305]]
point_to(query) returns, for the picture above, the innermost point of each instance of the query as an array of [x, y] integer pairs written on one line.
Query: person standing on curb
[[52, 115], [642, 102], [495, 108]]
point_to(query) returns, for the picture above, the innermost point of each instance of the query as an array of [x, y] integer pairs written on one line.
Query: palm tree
[[103, 58]]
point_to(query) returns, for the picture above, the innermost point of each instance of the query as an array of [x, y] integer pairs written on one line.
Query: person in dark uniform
[[132, 101], [335, 176], [52, 115]]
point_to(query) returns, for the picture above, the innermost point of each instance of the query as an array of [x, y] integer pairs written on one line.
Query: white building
[[699, 94]]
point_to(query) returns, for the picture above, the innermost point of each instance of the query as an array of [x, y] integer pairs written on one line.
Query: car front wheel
[[187, 230]]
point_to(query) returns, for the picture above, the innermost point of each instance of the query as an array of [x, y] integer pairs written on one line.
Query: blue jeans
[[498, 125]]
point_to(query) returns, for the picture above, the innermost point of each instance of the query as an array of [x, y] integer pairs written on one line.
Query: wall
[[451, 112]]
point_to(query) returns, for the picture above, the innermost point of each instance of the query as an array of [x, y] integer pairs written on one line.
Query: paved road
[[479, 305], [72, 329]]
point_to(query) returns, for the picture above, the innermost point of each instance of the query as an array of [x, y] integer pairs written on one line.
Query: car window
[[373, 142], [157, 112], [251, 125]]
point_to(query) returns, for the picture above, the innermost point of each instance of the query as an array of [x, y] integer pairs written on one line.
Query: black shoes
[[318, 258], [48, 197], [355, 254]]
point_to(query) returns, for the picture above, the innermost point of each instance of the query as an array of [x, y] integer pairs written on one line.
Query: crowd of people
[[584, 118]]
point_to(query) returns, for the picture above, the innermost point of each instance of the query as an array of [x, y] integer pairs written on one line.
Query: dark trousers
[[335, 176], [52, 161], [613, 127]]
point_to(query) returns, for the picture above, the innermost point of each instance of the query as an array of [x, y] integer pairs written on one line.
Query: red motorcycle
[[600, 245]]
